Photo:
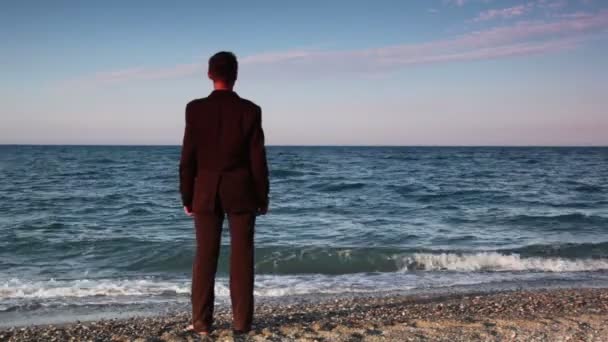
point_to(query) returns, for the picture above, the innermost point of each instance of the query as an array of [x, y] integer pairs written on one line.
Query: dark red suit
[[223, 169]]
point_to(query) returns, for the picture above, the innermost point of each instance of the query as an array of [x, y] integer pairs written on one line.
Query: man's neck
[[222, 86]]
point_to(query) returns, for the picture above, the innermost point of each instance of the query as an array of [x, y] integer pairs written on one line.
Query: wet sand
[[535, 315]]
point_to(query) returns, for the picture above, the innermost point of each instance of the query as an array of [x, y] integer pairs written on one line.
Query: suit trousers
[[208, 228]]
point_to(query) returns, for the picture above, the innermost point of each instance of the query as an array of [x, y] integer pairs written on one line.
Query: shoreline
[[515, 315]]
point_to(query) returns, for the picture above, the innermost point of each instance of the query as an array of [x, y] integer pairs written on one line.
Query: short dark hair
[[223, 66]]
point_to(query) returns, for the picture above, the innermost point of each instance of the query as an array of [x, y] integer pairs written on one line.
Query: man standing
[[223, 170]]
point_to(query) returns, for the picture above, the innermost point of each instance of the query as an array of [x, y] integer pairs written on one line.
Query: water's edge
[[72, 314]]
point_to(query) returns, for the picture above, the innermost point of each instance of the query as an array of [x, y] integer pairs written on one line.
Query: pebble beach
[[532, 315]]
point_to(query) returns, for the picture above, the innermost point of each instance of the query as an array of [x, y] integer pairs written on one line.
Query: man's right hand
[[262, 211]]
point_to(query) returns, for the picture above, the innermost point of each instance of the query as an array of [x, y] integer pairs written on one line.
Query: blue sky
[[435, 72]]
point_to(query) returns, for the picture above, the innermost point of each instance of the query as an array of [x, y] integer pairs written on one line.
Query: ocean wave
[[408, 189], [469, 196], [132, 256], [26, 294], [338, 187], [324, 260], [589, 188], [539, 258], [565, 250], [137, 211], [498, 262], [573, 217], [285, 173]]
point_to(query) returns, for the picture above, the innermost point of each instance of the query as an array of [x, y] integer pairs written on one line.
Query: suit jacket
[[223, 154]]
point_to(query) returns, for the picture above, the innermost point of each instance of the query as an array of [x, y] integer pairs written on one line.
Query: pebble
[[376, 318]]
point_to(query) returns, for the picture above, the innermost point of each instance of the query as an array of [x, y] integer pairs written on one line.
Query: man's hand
[[188, 211], [262, 211]]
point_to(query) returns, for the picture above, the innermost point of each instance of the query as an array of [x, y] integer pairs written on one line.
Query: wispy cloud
[[504, 13], [461, 3], [552, 4], [143, 73], [546, 7], [456, 2], [518, 39], [273, 57]]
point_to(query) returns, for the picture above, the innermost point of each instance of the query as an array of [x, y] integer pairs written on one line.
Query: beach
[[521, 315]]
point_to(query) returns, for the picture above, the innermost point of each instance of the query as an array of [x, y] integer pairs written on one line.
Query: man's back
[[222, 124], [223, 154]]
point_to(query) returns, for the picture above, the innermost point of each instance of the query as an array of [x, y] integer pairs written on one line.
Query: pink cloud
[[519, 39], [493, 42]]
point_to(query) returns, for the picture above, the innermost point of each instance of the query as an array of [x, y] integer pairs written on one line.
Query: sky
[[434, 72]]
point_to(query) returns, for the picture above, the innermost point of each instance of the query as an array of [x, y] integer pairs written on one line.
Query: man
[[223, 170]]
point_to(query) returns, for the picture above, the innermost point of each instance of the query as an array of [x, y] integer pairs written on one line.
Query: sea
[[94, 229]]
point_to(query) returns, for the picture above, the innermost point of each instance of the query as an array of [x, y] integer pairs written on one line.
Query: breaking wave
[[497, 262]]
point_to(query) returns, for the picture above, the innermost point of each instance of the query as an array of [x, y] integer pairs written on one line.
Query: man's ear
[[209, 75]]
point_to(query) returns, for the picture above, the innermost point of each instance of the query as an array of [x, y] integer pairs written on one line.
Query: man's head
[[223, 68]]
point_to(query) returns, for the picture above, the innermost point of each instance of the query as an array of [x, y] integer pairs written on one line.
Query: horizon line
[[299, 145]]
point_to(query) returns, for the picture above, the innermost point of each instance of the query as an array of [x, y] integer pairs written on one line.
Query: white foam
[[286, 285], [16, 288], [497, 262], [486, 267], [266, 286]]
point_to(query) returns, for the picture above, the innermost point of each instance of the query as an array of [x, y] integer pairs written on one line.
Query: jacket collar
[[218, 93]]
